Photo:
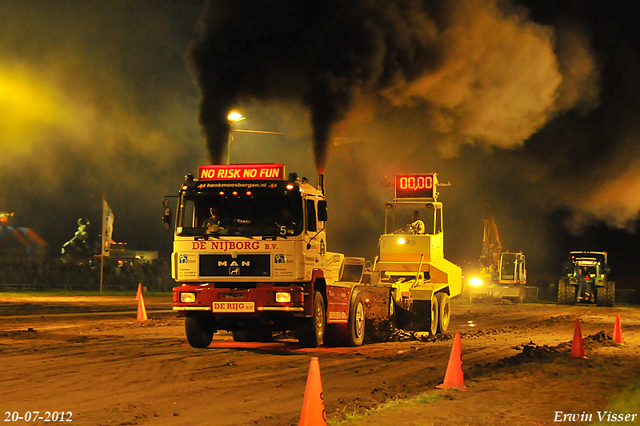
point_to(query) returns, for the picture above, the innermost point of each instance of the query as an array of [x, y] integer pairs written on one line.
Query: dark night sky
[[532, 106]]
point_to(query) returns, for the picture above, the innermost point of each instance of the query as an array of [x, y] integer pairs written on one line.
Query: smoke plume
[[319, 52], [476, 72]]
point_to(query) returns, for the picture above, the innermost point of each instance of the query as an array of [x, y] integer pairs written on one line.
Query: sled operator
[[416, 226]]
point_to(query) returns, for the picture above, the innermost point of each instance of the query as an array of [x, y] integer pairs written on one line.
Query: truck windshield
[[272, 209]]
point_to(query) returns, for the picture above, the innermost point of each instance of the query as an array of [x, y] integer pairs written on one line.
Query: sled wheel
[[435, 312], [444, 312]]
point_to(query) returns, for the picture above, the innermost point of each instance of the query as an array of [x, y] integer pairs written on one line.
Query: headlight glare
[[475, 281], [186, 297], [283, 297]]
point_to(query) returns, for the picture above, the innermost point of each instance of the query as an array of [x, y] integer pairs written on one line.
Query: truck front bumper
[[263, 298]]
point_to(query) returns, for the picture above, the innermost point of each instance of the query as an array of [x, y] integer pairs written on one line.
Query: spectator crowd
[[57, 274]]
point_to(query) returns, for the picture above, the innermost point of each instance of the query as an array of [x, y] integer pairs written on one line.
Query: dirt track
[[109, 369]]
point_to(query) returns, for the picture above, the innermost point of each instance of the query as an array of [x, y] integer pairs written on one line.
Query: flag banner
[[107, 228]]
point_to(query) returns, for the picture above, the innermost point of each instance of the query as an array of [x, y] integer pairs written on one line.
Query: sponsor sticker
[[234, 307]]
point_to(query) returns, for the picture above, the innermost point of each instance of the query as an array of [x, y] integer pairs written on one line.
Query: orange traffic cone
[[142, 311], [313, 413], [577, 350], [617, 331], [454, 378], [139, 291]]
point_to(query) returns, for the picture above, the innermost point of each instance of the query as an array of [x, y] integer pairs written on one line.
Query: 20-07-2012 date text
[[34, 416]]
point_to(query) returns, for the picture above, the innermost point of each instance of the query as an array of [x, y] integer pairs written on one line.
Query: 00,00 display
[[414, 186]]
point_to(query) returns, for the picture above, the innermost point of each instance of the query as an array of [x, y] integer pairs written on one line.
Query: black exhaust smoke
[[319, 52]]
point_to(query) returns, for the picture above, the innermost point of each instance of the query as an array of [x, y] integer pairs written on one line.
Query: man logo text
[[234, 263]]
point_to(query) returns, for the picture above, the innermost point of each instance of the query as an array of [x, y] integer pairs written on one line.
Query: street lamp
[[234, 117]]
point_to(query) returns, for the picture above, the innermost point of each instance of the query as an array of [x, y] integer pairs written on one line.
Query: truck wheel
[[562, 291], [311, 330], [571, 294], [611, 293], [200, 329], [356, 321], [444, 312], [521, 296]]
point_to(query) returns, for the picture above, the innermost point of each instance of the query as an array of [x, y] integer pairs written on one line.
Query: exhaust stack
[[321, 183]]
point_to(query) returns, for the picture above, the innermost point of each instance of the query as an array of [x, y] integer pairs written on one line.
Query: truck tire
[[200, 329], [521, 296], [611, 293], [310, 331], [355, 335], [444, 312], [571, 294], [562, 291]]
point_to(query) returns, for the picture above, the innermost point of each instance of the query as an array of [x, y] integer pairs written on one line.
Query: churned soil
[[90, 358]]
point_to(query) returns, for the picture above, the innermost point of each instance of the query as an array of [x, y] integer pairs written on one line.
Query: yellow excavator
[[503, 274]]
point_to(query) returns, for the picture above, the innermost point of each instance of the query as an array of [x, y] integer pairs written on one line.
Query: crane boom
[[491, 247]]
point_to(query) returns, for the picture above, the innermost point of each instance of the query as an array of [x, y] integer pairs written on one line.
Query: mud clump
[[599, 339], [533, 353], [378, 331], [399, 335]]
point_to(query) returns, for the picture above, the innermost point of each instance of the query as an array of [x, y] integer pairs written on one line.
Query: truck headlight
[[186, 297], [401, 241], [475, 282], [283, 297]]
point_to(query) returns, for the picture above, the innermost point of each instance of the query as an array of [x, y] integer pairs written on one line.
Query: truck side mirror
[[167, 216], [322, 211]]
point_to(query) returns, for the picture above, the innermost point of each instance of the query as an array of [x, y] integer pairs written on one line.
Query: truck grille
[[245, 265]]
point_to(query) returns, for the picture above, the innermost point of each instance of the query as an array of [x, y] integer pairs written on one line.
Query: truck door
[[315, 235]]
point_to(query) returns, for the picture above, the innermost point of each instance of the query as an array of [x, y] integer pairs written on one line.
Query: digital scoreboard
[[415, 186]]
